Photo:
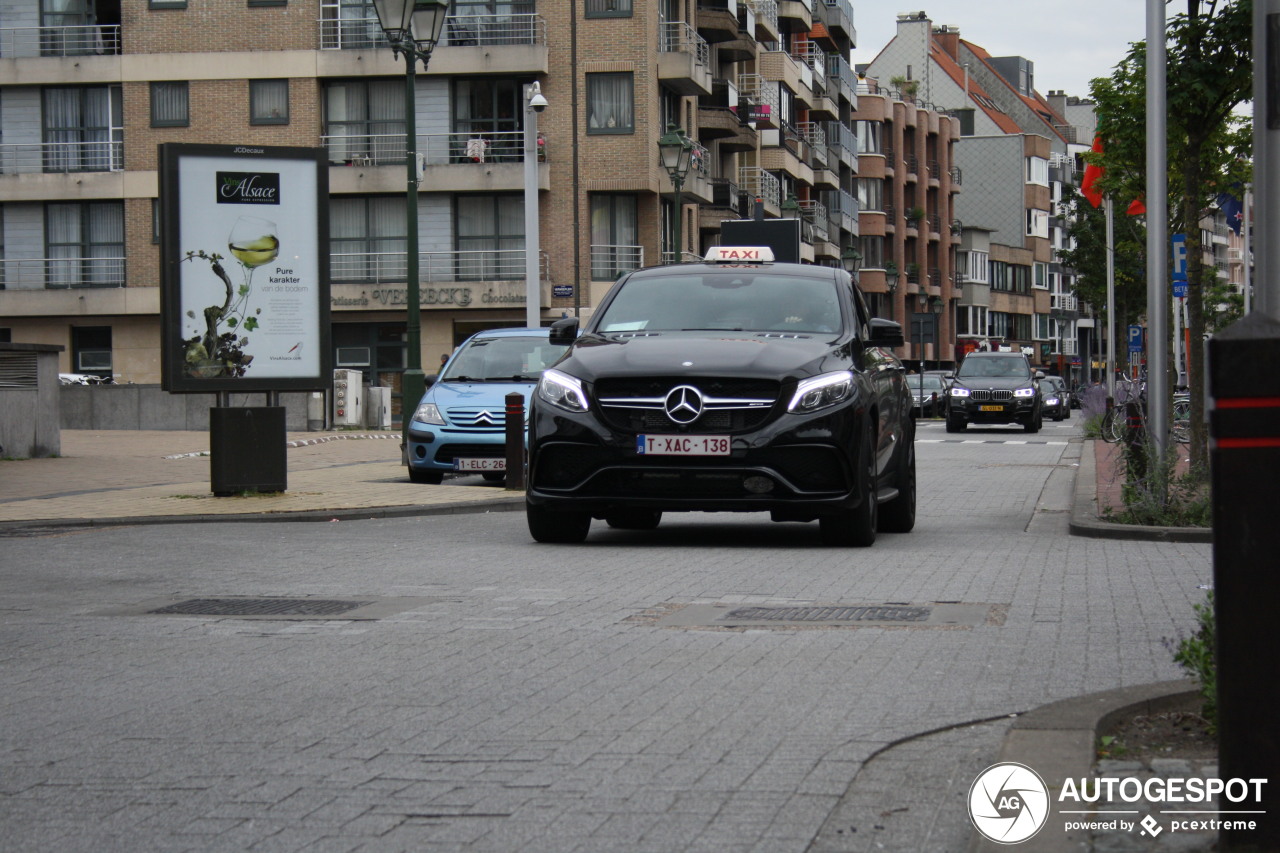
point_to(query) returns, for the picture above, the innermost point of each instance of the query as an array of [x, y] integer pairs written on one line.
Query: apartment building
[[1017, 154], [762, 88], [909, 235]]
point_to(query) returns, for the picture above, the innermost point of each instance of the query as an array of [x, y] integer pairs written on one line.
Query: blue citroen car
[[460, 423]]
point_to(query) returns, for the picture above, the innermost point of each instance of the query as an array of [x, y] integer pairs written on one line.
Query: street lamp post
[[412, 28], [676, 150], [534, 104]]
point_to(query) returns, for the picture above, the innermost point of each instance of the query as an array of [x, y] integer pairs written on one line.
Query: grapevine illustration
[[216, 352]]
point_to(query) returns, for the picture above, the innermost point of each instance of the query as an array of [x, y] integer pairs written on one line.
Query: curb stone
[[1061, 737], [1084, 513]]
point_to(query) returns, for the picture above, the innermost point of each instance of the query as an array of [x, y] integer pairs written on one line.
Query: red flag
[[1092, 172], [1136, 207]]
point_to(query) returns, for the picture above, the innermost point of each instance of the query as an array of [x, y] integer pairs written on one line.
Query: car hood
[[993, 383], [744, 354], [446, 395]]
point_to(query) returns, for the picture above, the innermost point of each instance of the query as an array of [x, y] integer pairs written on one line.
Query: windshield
[[929, 383], [502, 359], [741, 300], [1012, 367]]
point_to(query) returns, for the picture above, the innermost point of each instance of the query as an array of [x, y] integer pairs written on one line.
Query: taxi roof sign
[[739, 255]]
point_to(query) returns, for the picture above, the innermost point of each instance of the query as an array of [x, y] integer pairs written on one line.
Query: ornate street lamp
[[676, 150], [851, 260], [412, 28]]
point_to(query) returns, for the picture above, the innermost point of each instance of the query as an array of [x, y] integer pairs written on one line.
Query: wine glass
[[253, 241]]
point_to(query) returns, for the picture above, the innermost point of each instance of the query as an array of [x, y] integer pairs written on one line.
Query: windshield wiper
[[518, 377], [715, 329]]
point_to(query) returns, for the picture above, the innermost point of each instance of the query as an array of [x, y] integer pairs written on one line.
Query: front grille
[[562, 466], [446, 453], [733, 405], [813, 468], [998, 396], [476, 417]]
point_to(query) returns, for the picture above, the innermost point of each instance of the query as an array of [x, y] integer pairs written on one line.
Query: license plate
[[991, 408], [683, 445], [472, 464]]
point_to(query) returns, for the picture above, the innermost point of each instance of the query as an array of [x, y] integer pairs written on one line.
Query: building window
[[167, 4], [1021, 278], [364, 121], [1038, 171], [615, 236], [490, 237], [1037, 223], [872, 249], [155, 221], [869, 137], [84, 244], [998, 325], [91, 350], [367, 239], [268, 2], [977, 267], [870, 194], [83, 128], [487, 120], [268, 102], [1000, 278], [610, 103], [1040, 276], [608, 8], [170, 105]]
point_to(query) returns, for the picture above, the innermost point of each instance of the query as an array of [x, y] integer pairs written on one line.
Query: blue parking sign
[[1135, 339]]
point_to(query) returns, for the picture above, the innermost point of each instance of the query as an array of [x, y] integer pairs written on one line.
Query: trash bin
[[247, 450]]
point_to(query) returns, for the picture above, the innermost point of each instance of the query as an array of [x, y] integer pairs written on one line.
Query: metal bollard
[[515, 441]]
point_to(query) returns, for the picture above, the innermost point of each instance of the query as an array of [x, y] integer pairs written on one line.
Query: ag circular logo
[[1008, 803]]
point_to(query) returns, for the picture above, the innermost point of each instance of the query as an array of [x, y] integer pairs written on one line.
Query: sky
[[1069, 41]]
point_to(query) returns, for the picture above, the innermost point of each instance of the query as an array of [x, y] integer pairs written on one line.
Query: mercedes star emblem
[[684, 404]]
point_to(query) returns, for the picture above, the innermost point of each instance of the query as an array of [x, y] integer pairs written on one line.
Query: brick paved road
[[528, 701]]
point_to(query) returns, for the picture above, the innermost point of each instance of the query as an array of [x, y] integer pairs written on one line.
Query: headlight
[[957, 391], [819, 391], [563, 390], [427, 413], [1024, 392], [1052, 401]]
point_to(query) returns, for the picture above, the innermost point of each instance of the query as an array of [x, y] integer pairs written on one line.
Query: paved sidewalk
[[114, 476]]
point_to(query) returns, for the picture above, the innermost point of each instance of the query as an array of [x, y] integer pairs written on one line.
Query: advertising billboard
[[245, 268]]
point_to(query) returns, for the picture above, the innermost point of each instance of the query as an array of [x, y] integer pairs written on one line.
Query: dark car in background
[[928, 394], [995, 388], [735, 385], [1057, 400]]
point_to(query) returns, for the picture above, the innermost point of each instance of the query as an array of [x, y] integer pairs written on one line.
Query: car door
[[889, 388]]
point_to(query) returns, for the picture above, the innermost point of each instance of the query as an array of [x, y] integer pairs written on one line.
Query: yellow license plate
[[991, 408]]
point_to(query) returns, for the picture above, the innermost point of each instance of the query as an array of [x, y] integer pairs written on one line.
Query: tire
[[899, 514], [1033, 425], [1113, 425], [634, 519], [955, 424], [857, 526], [429, 477], [556, 527]]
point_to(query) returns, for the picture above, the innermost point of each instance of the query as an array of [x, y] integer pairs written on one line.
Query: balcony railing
[[18, 158], [767, 11], [459, 31], [814, 134], [62, 273], [1062, 302], [815, 214], [765, 97], [608, 261], [17, 42], [679, 37], [758, 183], [455, 266], [434, 149], [816, 58]]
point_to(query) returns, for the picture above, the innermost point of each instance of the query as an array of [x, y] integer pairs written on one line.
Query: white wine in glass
[[253, 241]]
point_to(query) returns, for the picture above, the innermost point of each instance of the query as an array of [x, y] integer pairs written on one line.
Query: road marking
[[978, 441]]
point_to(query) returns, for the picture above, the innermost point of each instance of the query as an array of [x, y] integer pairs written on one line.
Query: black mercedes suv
[[735, 385], [995, 388]]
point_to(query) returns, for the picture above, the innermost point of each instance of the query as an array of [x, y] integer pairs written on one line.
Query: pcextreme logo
[[1008, 803]]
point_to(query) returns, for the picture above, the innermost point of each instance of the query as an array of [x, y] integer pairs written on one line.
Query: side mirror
[[564, 331], [1039, 375], [884, 333]]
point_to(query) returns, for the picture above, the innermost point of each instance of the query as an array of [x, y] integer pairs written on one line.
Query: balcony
[[759, 184], [24, 42], [762, 98], [19, 158], [466, 43], [608, 261], [765, 13], [838, 16], [795, 15], [61, 273], [684, 59], [456, 266], [718, 22], [448, 162], [778, 66]]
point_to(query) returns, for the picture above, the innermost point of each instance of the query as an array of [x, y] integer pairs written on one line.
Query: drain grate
[[858, 613], [259, 607]]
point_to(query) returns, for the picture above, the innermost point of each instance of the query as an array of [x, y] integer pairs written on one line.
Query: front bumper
[[793, 465], [1020, 410], [433, 448]]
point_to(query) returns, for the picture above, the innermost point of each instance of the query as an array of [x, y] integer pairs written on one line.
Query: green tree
[[1209, 75]]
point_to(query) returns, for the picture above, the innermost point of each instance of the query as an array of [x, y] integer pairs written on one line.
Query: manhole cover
[[951, 614], [259, 607], [858, 613], [296, 607]]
